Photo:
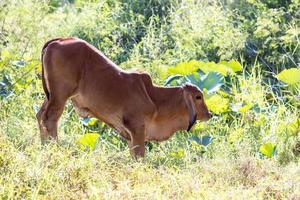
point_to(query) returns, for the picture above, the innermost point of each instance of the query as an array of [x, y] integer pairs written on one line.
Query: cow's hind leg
[[58, 95], [50, 117], [39, 118]]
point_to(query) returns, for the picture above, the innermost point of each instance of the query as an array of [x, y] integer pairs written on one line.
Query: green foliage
[[289, 76], [223, 67], [268, 150], [217, 104], [210, 82], [199, 29], [180, 153], [273, 31], [209, 77], [201, 142], [88, 140], [184, 68], [294, 127], [234, 65]]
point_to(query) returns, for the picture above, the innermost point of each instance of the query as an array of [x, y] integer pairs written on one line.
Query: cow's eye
[[198, 97]]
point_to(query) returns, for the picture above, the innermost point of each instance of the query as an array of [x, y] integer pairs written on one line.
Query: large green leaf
[[184, 68], [290, 76], [88, 140], [190, 67], [234, 65], [215, 67], [211, 82]]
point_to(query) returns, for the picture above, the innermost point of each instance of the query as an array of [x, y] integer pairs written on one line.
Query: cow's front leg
[[137, 146], [137, 134]]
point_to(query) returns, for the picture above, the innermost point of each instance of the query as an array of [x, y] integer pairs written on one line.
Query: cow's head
[[197, 109]]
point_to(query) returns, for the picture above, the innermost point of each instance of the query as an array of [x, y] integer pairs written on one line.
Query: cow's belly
[[157, 132], [112, 119]]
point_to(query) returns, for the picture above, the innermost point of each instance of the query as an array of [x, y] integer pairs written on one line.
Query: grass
[[63, 171]]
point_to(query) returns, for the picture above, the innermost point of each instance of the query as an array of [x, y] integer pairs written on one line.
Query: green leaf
[[211, 82], [268, 150], [200, 126], [245, 108], [88, 140], [290, 76], [184, 68], [234, 65], [172, 78], [187, 68], [294, 127], [203, 140], [214, 67]]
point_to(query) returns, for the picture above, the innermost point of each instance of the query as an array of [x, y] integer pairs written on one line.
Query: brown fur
[[128, 102]]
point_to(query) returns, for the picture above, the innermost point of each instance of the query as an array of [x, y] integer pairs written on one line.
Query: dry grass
[[65, 172]]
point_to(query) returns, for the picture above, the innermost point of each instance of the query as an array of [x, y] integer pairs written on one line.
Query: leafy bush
[[273, 32], [199, 30]]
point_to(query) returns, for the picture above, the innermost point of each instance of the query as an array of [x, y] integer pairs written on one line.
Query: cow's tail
[[42, 60]]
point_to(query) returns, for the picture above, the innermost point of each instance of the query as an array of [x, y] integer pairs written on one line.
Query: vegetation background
[[254, 152]]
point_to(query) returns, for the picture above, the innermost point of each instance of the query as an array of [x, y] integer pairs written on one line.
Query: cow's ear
[[191, 109]]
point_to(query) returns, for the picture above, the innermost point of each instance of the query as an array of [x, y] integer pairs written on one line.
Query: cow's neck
[[171, 108]]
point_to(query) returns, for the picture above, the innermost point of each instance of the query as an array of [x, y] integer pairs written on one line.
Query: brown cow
[[128, 102]]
